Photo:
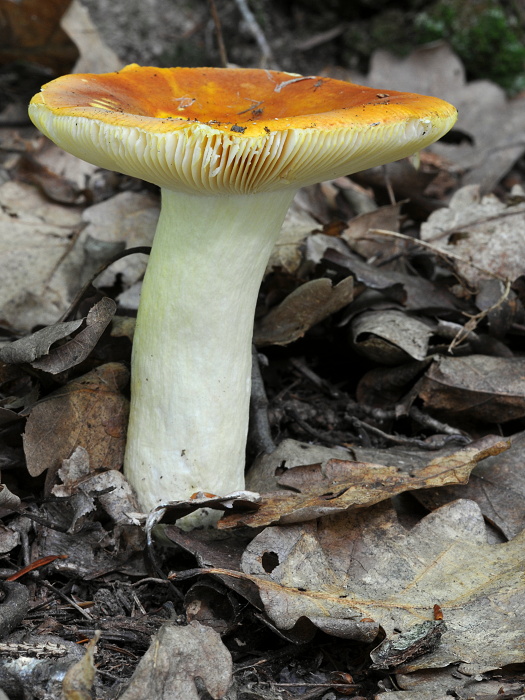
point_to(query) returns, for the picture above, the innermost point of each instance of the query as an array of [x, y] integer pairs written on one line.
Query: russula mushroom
[[229, 148]]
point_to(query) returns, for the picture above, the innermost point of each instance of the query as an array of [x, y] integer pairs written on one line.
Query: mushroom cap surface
[[221, 130]]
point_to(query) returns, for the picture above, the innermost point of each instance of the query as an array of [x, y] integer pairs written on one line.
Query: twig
[[321, 38], [257, 33], [260, 432], [388, 185], [474, 222], [316, 380], [399, 440], [428, 422], [67, 599], [474, 320], [317, 434], [218, 32]]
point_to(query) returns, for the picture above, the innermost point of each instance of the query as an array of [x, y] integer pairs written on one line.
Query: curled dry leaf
[[78, 348], [38, 343], [490, 389], [90, 412], [9, 538], [263, 474], [413, 292], [359, 236], [307, 305], [35, 348], [390, 337], [8, 500], [344, 485], [78, 681], [356, 572], [56, 187], [237, 501], [287, 253], [178, 661]]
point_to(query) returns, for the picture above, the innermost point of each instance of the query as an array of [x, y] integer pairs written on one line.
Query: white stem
[[191, 363]]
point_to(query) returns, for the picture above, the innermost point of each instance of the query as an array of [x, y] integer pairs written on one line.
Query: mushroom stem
[[191, 363]]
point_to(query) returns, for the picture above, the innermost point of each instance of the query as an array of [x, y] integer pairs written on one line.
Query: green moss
[[488, 39]]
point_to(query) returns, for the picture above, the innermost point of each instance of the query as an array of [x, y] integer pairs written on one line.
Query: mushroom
[[229, 149]]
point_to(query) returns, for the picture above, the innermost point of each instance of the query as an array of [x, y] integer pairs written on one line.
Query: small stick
[[260, 432], [66, 599], [257, 33], [218, 31]]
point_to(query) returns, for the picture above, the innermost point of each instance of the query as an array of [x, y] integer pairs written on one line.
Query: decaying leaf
[[78, 681], [8, 500], [497, 484], [89, 412], [413, 292], [38, 343], [95, 55], [35, 235], [263, 474], [463, 682], [490, 389], [493, 122], [237, 501], [128, 218], [9, 539], [35, 348], [57, 187], [298, 223], [482, 231], [178, 662], [309, 304], [361, 240], [31, 29], [344, 485], [353, 573], [78, 348], [390, 337]]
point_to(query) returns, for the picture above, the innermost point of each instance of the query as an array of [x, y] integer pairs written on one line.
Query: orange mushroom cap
[[233, 130]]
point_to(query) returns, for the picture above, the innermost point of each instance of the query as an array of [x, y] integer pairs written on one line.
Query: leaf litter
[[385, 554]]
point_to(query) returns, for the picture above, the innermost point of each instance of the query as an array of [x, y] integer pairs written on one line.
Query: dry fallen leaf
[[482, 231], [38, 343], [297, 225], [413, 292], [180, 661], [89, 412], [78, 681], [362, 241], [490, 389], [390, 337], [31, 31], [344, 485], [95, 55], [262, 475], [307, 305], [354, 573], [129, 218], [35, 348], [78, 348], [35, 236], [493, 122], [497, 484]]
